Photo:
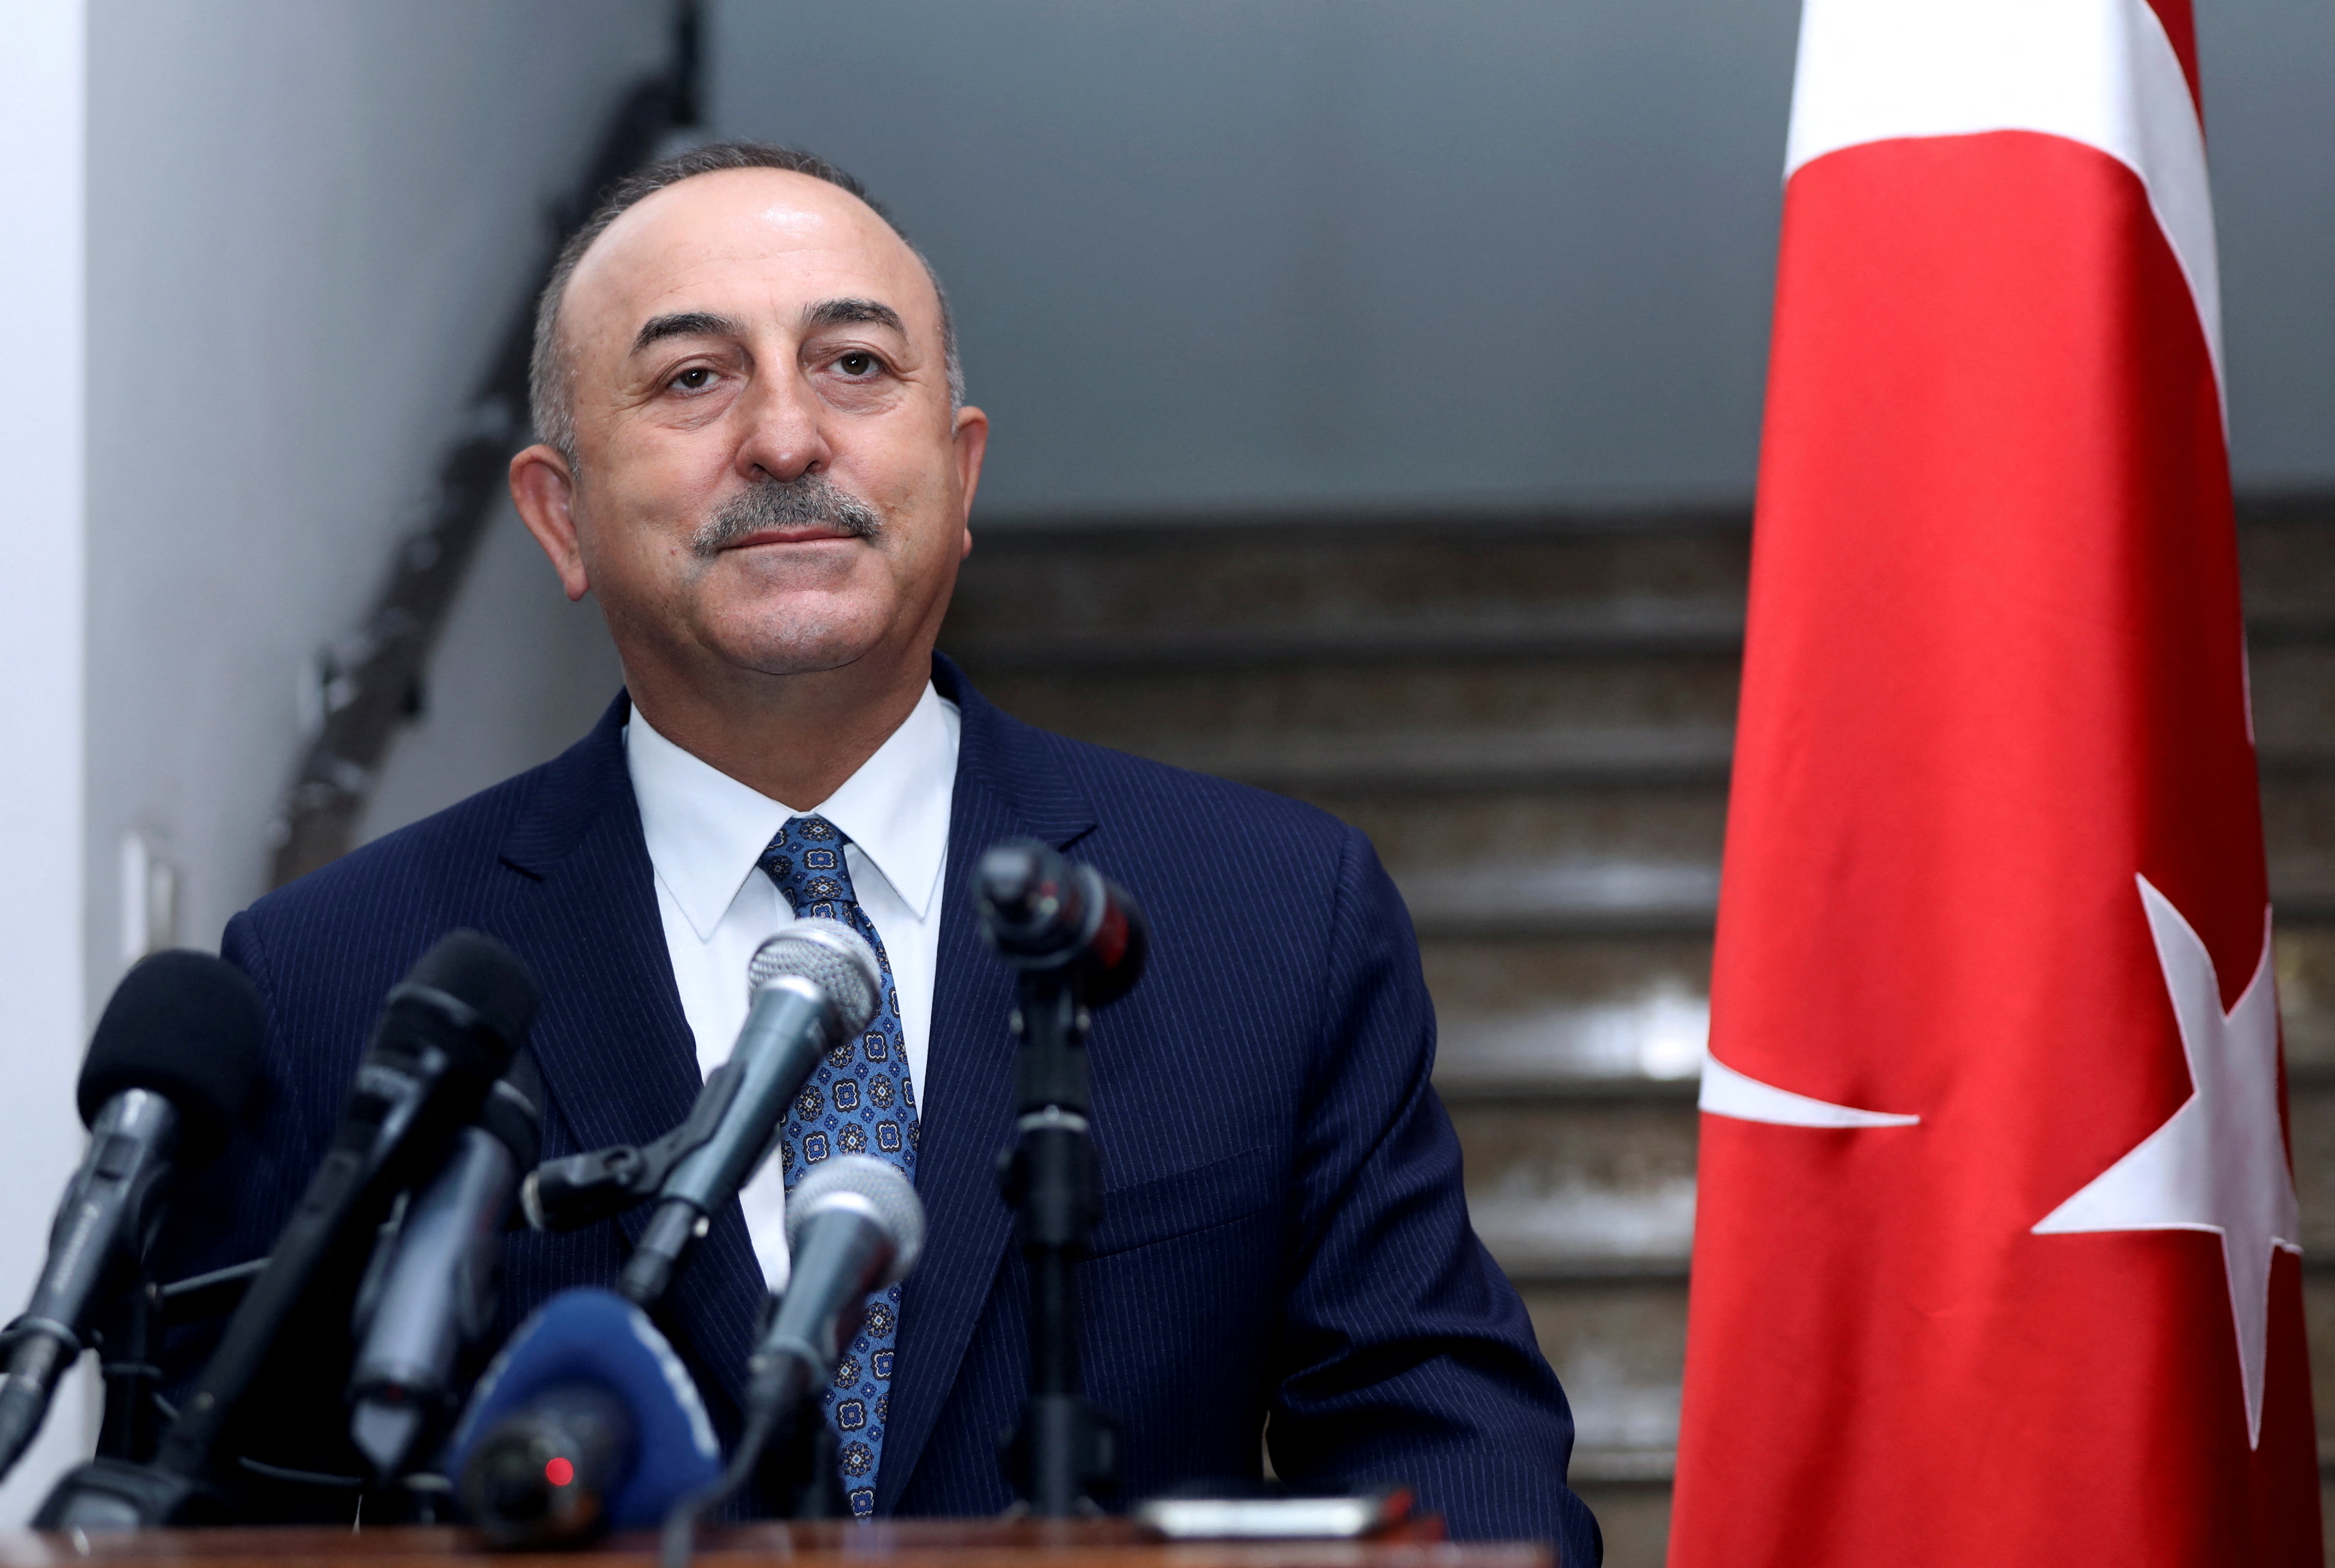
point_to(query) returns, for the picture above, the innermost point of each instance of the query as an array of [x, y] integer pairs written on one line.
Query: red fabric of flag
[[1994, 1252]]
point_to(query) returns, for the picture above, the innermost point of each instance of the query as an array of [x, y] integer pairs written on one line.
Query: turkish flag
[[1995, 1252]]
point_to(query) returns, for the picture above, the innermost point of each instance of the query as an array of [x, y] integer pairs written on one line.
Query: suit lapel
[[1008, 786], [618, 1060]]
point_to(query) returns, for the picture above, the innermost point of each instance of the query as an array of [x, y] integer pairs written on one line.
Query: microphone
[[585, 1421], [815, 985], [443, 1036], [1041, 914], [854, 1226], [437, 1289], [170, 1072]]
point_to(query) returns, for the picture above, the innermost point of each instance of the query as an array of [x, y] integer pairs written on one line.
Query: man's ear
[[970, 437], [543, 488]]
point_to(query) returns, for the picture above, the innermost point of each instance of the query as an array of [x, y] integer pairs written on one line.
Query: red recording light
[[559, 1472]]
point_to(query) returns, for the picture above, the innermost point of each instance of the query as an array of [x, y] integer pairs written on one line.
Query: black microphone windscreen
[[476, 970], [190, 1027]]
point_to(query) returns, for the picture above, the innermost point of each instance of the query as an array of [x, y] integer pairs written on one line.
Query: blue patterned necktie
[[857, 1100]]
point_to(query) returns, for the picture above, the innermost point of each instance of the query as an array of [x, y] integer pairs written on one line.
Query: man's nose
[[784, 436]]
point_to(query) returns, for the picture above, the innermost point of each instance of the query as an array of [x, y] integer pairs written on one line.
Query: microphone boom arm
[[582, 1189]]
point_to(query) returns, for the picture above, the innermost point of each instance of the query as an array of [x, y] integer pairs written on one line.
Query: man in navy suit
[[757, 455]]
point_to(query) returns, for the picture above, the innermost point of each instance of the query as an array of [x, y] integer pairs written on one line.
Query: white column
[[42, 655]]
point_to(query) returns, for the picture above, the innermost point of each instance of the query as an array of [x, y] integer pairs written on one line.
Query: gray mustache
[[803, 502]]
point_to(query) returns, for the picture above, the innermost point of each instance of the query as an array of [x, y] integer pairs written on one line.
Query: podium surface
[[884, 1543]]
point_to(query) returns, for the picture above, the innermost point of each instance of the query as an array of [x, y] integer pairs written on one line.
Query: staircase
[[1532, 720]]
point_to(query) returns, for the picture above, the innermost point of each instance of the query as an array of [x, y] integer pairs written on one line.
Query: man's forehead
[[759, 240]]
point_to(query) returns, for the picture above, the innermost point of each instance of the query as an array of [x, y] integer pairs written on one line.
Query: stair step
[[1522, 1088], [1644, 628], [1561, 1191], [1158, 584], [1474, 725], [2319, 1328], [1604, 1465], [1652, 626], [2298, 821], [1555, 1267], [1560, 901], [1279, 751], [1433, 732], [1619, 1349], [2286, 558], [2305, 961], [2311, 1125], [2293, 690], [1568, 1010], [1448, 762], [1262, 593], [1642, 858], [1277, 569]]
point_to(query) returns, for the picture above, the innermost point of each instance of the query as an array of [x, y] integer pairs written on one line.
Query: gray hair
[[551, 372]]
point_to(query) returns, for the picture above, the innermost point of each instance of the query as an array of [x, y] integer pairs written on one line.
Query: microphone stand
[[1065, 1451], [132, 1425], [1077, 942], [129, 1430]]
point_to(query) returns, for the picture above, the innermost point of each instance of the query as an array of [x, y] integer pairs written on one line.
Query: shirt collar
[[706, 831]]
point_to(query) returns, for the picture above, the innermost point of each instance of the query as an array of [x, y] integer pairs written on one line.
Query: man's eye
[[696, 378], [856, 364]]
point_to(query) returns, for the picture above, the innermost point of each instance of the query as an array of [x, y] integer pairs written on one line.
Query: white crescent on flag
[[2099, 71], [1726, 1092]]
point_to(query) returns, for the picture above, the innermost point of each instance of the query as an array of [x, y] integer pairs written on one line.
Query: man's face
[[768, 476]]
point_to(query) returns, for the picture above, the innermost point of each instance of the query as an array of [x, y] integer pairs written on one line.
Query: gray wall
[[2268, 73], [41, 707], [1314, 253], [308, 221], [1317, 252], [518, 676]]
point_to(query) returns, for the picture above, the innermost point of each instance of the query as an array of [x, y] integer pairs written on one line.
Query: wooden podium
[[886, 1543]]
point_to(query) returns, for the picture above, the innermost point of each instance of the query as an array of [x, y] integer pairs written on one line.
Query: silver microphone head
[[865, 1184], [835, 959]]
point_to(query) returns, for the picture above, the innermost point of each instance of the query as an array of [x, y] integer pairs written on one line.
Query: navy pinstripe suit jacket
[[1284, 1229]]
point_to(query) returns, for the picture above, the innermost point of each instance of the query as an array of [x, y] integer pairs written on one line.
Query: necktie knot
[[806, 862]]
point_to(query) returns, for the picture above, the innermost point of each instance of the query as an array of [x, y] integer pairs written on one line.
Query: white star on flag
[[2219, 1163]]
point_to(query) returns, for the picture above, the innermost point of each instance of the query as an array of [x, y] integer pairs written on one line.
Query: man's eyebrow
[[845, 312], [685, 323]]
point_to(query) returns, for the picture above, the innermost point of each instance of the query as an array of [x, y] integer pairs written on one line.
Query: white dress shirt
[[706, 833]]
